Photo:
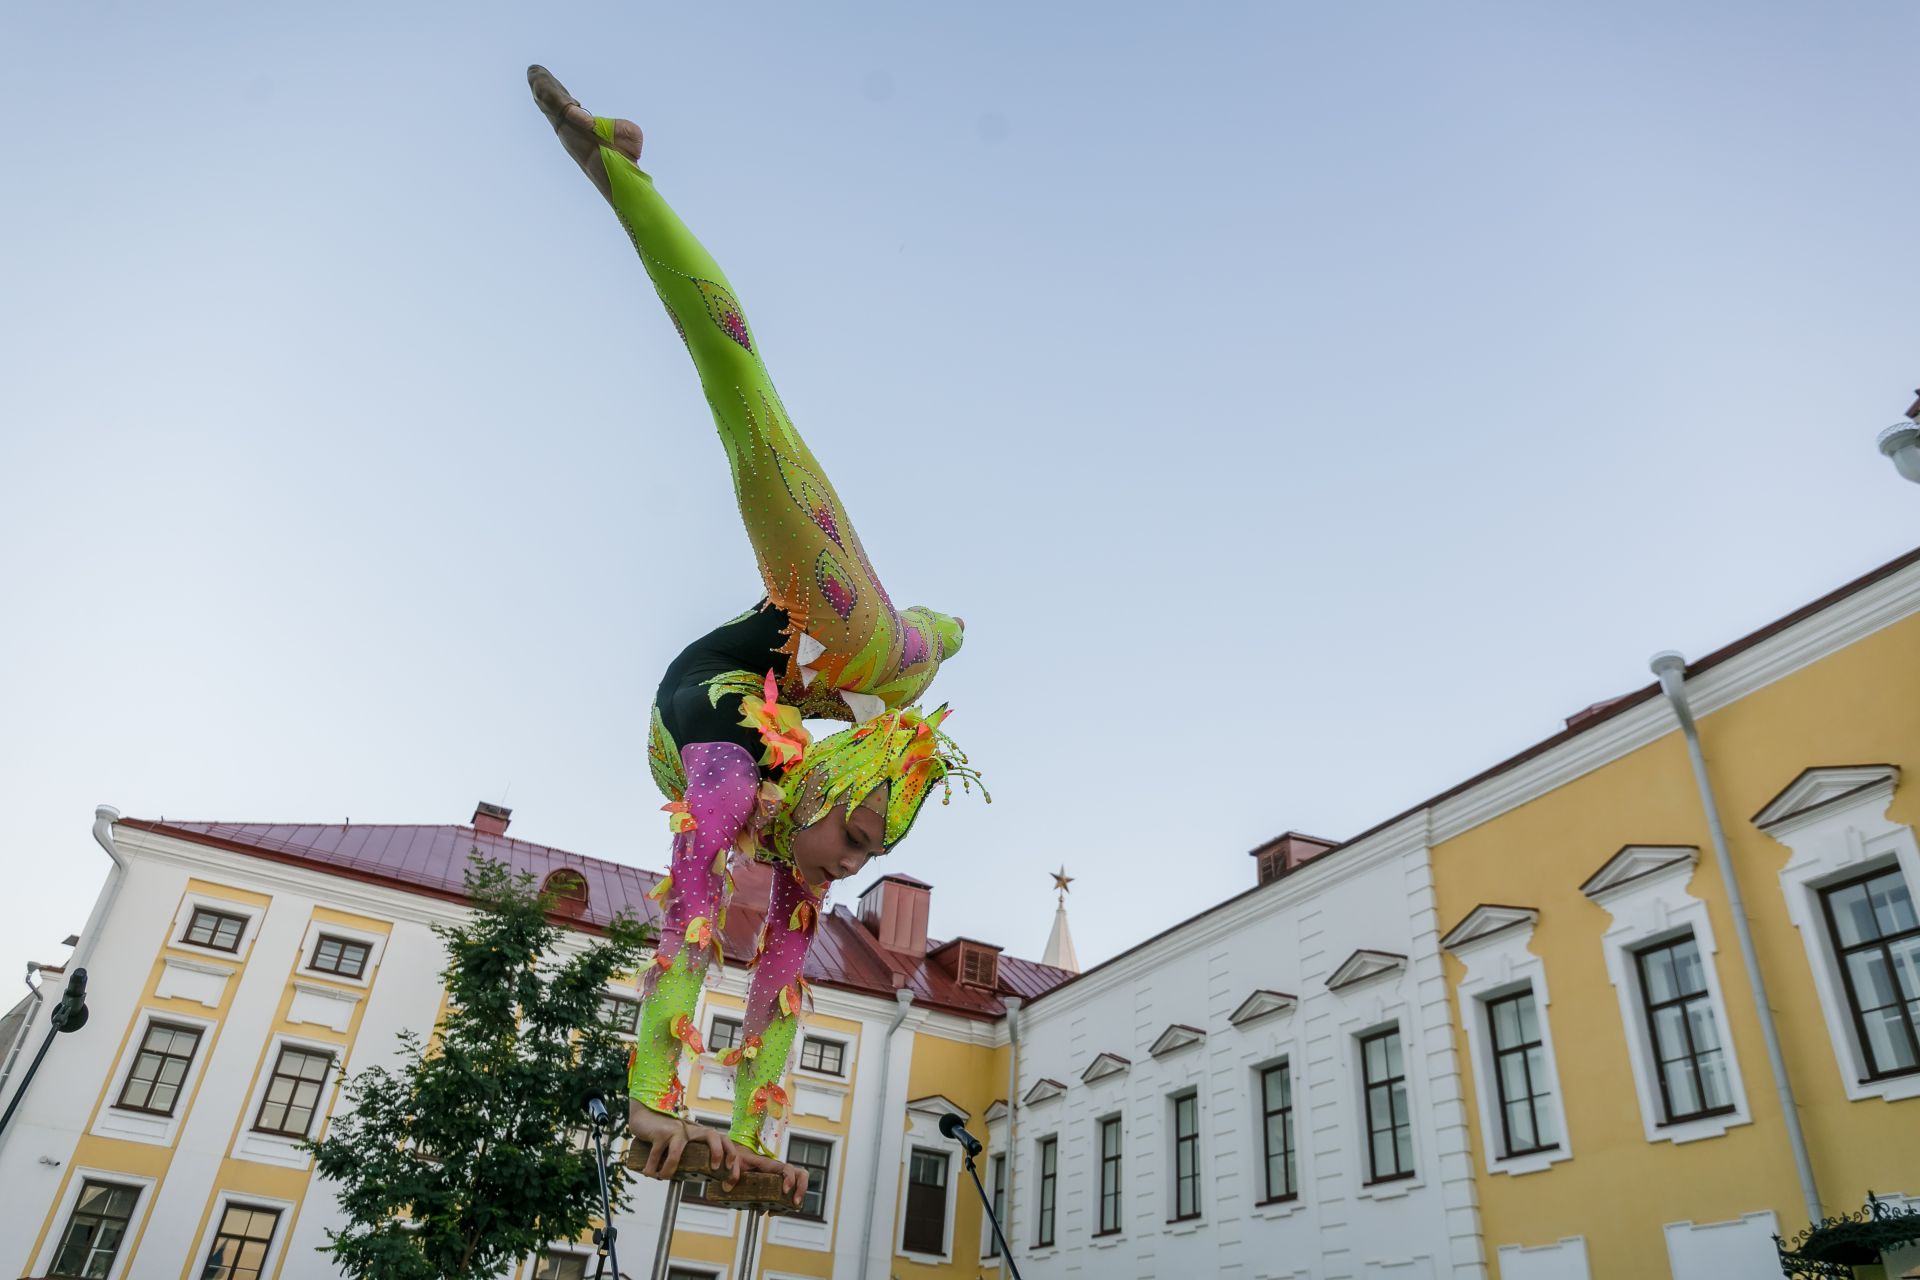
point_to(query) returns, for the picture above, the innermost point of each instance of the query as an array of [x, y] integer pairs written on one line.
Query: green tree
[[469, 1154]]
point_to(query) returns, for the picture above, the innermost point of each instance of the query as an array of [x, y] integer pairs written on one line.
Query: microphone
[[597, 1109], [71, 1013], [954, 1127]]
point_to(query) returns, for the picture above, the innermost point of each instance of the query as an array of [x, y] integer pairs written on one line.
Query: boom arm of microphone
[[953, 1127]]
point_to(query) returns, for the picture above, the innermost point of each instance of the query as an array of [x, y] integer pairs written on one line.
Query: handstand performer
[[726, 743]]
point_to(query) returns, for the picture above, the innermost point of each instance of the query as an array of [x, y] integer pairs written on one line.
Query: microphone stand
[[1005, 1251], [605, 1234]]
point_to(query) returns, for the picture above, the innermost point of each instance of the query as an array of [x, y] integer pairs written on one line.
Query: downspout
[[103, 819], [1013, 1004], [1671, 669], [905, 997]]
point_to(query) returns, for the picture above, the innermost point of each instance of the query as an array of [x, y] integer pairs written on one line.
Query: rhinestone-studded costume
[[726, 742]]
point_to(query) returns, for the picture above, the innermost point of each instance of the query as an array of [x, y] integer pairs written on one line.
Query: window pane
[[1529, 1018], [1853, 915], [1520, 1134], [1403, 1148], [1513, 1076], [726, 1034], [1383, 1153], [1392, 1043], [1506, 1023], [1873, 980], [1657, 968], [1670, 1032], [1892, 904], [1700, 1021], [1715, 1088], [1906, 965], [1681, 1093], [1887, 1042], [1376, 1064], [1688, 971]]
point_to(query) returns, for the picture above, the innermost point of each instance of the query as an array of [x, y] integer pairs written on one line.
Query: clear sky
[[1306, 405]]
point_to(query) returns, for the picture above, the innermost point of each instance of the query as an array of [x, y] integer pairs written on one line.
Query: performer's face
[[840, 843]]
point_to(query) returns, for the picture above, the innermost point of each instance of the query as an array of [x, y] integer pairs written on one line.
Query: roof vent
[[491, 819], [1286, 851], [568, 889]]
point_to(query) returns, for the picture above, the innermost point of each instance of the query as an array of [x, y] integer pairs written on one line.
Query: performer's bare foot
[[574, 125]]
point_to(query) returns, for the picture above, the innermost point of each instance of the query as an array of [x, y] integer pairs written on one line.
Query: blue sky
[[1305, 405]]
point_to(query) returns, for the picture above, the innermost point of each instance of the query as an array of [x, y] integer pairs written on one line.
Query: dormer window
[[979, 966], [569, 891]]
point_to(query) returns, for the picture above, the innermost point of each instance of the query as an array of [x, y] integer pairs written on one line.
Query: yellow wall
[[1855, 707], [972, 1078]]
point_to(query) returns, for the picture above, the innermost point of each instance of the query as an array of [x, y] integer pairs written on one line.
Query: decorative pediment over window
[[1104, 1065], [1364, 964], [936, 1105], [1637, 861], [1044, 1091], [1817, 788], [998, 1111], [1486, 919], [1175, 1038], [1259, 1005]]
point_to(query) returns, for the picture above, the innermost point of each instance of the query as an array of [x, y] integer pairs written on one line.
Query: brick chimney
[[1287, 851], [491, 819], [894, 910]]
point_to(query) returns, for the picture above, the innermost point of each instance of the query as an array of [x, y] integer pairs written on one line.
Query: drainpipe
[[103, 819], [1671, 668], [905, 997], [1013, 1004]]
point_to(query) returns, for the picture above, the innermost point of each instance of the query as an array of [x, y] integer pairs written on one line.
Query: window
[[341, 956], [816, 1157], [1520, 1075], [240, 1248], [688, 1273], [617, 1013], [999, 1168], [95, 1229], [563, 1266], [1389, 1126], [293, 1092], [1276, 1133], [1186, 1156], [217, 929], [153, 1085], [1048, 1153], [979, 967], [568, 889], [826, 1056], [1877, 937], [1688, 1058], [1109, 1176], [725, 1034], [926, 1216]]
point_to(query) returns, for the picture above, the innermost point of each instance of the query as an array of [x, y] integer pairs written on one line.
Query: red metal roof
[[432, 860]]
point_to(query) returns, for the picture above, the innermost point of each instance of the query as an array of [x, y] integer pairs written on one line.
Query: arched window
[[568, 889]]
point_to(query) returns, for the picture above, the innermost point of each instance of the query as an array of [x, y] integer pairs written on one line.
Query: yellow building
[[1626, 1113]]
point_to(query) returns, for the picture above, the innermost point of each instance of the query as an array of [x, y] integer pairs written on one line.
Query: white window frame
[[183, 916], [845, 1074], [1381, 1015], [138, 1126], [911, 1144], [376, 944], [996, 1151], [1095, 1173], [1289, 1058], [1033, 1248], [805, 1233], [136, 1221], [1650, 908], [272, 1148], [1500, 962], [1171, 1223], [1834, 822], [626, 995], [571, 1247], [203, 1250]]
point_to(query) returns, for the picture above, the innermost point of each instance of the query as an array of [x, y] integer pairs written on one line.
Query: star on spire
[[1061, 879]]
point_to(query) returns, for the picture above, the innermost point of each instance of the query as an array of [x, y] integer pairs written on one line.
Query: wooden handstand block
[[755, 1190]]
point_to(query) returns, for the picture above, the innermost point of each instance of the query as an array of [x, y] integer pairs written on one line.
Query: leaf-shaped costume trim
[[777, 724], [688, 1034]]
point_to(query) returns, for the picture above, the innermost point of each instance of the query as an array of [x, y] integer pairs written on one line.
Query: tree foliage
[[470, 1154]]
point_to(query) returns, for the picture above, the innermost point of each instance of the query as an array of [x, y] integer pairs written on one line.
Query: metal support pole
[[750, 1243], [663, 1251]]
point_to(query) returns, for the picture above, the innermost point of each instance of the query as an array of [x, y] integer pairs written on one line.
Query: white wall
[[1289, 937]]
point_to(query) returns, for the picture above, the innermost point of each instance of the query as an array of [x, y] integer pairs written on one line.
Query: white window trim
[[996, 1139], [281, 1230], [1649, 909], [1502, 963], [1094, 1238], [136, 1221], [1169, 1132], [912, 1144], [843, 1076], [138, 1126], [183, 916], [1842, 840], [376, 944], [1352, 1066], [271, 1148], [1257, 1149], [1032, 1248], [805, 1233]]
